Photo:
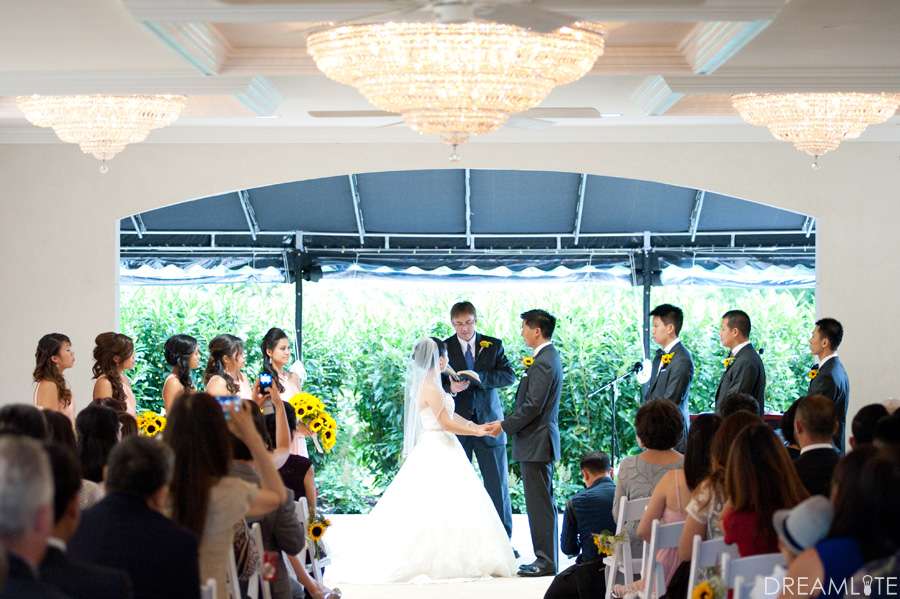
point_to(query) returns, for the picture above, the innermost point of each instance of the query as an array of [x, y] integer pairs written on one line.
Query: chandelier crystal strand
[[816, 123], [102, 125], [455, 80]]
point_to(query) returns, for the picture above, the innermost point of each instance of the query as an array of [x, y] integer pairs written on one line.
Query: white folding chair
[[662, 536], [257, 579], [315, 565], [705, 554], [208, 591], [630, 510], [740, 574], [234, 586]]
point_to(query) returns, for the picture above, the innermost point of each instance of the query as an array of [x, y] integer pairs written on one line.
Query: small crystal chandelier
[[102, 125], [455, 79], [816, 122]]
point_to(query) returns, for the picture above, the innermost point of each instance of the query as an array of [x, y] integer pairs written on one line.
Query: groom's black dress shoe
[[532, 571]]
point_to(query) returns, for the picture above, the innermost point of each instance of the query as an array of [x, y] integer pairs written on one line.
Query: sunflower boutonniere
[[527, 362], [667, 358], [485, 343], [728, 362], [813, 373]]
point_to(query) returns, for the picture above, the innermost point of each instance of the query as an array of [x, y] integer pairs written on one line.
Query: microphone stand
[[614, 443]]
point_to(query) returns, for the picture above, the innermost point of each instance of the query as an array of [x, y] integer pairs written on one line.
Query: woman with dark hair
[[659, 426], [97, 431], [54, 356], [708, 499], [672, 494], [183, 355], [128, 425], [61, 431], [204, 498], [22, 419], [787, 430], [113, 355], [760, 479], [865, 493], [223, 376], [276, 354]]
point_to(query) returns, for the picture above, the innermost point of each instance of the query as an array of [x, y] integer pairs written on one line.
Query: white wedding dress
[[435, 522]]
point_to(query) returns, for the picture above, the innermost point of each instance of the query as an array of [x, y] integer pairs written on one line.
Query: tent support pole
[[298, 304]]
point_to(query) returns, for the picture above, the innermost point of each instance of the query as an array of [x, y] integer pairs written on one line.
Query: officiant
[[470, 350]]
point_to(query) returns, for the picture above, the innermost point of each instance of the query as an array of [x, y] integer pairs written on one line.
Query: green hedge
[[357, 335]]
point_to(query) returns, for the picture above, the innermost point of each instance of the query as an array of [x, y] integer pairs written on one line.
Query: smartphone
[[227, 401], [265, 382]]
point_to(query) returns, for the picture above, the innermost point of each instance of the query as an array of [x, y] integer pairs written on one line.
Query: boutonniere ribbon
[[728, 362], [813, 373], [667, 358]]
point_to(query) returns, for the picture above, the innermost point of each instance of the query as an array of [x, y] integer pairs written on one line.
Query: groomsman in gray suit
[[744, 370], [534, 427], [673, 367]]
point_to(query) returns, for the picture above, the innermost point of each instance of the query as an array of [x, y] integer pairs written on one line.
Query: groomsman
[[744, 370], [470, 350], [534, 426], [829, 378], [673, 367]]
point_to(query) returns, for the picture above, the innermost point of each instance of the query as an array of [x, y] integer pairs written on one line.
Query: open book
[[465, 375]]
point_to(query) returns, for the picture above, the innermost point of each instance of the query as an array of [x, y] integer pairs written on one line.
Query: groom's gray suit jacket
[[534, 423]]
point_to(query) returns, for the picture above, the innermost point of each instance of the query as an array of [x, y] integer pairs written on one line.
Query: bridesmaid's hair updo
[[221, 346], [178, 351], [273, 336], [108, 347], [45, 370]]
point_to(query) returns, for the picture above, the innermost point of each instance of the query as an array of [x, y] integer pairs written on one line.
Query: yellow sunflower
[[316, 424], [316, 530], [813, 374], [528, 362], [703, 591]]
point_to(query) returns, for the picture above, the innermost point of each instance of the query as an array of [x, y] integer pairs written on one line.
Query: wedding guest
[[589, 512], [204, 498], [53, 357], [97, 432], [759, 480], [77, 579], [128, 531], [182, 353], [887, 435], [744, 370], [223, 376], [708, 499], [829, 378], [113, 355], [276, 355], [26, 517], [127, 425], [787, 430], [813, 427], [60, 429], [866, 526], [673, 367], [659, 426], [22, 419], [671, 495], [862, 428], [735, 402]]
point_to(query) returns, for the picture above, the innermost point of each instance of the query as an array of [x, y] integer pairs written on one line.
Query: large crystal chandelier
[[816, 122], [455, 79], [102, 125]]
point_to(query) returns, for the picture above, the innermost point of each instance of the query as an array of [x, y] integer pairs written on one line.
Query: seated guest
[[60, 431], [128, 531], [887, 435], [814, 425], [787, 430], [759, 480], [97, 431], [22, 419], [26, 515], [127, 425], [865, 496], [862, 428], [705, 508], [659, 426], [78, 580], [879, 577], [587, 513], [735, 402]]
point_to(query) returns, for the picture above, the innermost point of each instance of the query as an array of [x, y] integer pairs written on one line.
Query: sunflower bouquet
[[606, 541], [151, 423], [317, 527], [311, 411], [712, 588]]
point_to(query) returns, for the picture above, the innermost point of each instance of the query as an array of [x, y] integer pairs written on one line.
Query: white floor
[[340, 534]]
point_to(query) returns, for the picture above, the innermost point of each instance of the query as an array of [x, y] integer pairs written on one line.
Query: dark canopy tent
[[444, 222]]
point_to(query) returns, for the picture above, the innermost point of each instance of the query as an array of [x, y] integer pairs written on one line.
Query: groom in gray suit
[[534, 427]]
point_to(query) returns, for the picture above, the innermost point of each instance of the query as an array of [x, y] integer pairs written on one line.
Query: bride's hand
[[482, 430]]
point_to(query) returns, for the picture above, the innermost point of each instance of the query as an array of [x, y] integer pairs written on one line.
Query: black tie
[[659, 353]]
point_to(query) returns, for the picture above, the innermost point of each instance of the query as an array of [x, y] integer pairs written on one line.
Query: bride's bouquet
[[311, 411]]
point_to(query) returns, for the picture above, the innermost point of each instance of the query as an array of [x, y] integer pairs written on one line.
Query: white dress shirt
[[537, 350]]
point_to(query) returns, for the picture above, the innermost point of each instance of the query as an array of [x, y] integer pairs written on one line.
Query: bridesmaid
[[223, 374], [276, 354], [113, 355], [183, 355], [54, 355]]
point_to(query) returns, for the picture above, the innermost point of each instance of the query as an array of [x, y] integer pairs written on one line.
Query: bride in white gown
[[435, 521]]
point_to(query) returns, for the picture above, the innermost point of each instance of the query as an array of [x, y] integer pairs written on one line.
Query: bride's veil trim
[[423, 367]]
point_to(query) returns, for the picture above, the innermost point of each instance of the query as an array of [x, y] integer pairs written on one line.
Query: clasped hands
[[493, 429]]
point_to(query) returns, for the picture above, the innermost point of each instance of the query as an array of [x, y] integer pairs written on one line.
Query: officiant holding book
[[470, 350]]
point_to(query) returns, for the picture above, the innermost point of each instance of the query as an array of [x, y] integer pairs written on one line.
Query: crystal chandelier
[[102, 125], [816, 122], [455, 79]]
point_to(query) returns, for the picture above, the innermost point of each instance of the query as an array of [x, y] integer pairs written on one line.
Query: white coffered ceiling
[[668, 68]]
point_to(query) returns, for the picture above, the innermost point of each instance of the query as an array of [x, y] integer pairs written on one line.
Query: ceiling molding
[[775, 81], [642, 60], [198, 44], [261, 97], [655, 97], [116, 82], [712, 44]]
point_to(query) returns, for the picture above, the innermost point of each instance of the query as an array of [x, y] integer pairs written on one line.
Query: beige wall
[[59, 216]]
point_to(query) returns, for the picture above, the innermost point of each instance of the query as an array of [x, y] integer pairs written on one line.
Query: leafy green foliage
[[357, 336]]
